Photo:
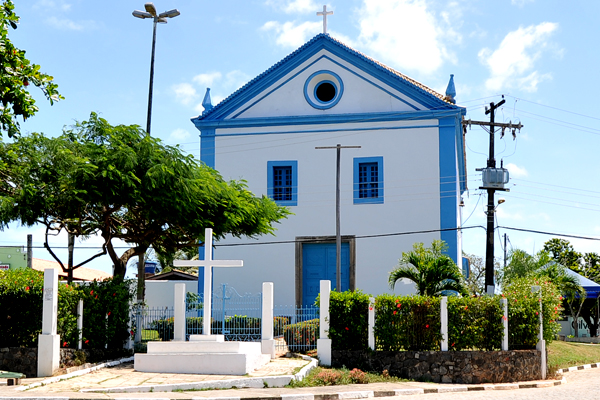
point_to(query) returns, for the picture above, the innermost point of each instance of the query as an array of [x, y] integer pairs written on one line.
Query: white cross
[[208, 263], [325, 13]]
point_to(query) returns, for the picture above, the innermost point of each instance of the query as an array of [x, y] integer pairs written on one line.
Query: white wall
[[411, 200], [162, 293]]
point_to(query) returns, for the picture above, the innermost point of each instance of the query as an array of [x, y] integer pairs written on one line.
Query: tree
[[522, 264], [16, 73], [120, 183], [476, 281], [432, 271], [563, 253]]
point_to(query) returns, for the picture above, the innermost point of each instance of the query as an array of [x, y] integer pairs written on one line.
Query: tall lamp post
[[162, 18]]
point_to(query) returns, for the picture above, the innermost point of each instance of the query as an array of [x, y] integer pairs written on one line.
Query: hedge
[[407, 323], [348, 320], [302, 336], [105, 314]]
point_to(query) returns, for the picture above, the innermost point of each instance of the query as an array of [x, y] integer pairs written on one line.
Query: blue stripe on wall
[[448, 177], [207, 147]]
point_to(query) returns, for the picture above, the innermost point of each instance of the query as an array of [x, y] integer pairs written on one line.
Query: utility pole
[[493, 180], [338, 236], [71, 241], [489, 248], [30, 251]]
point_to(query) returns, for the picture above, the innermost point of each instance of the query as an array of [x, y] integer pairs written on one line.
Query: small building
[[403, 185], [79, 274], [13, 257]]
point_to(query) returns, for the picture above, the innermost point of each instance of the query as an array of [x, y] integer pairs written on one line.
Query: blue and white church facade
[[402, 186]]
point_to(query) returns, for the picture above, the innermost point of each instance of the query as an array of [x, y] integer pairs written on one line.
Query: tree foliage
[[120, 183], [430, 269], [16, 73], [476, 280]]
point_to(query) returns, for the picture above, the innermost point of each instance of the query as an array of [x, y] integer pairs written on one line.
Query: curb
[[255, 383], [73, 374], [585, 366]]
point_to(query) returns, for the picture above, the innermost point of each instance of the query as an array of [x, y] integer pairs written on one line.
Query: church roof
[[325, 40]]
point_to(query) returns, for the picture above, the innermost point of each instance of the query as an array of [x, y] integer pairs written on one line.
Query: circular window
[[323, 89]]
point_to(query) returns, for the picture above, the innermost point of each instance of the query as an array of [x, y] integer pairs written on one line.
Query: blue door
[[318, 263]]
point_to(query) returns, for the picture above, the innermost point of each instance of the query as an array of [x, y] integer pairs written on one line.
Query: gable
[[363, 85]]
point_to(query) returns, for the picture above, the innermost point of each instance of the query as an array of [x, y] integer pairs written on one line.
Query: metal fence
[[296, 329], [154, 323], [237, 317]]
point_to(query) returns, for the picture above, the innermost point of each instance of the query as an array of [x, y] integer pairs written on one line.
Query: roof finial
[[325, 13], [451, 91], [206, 103]]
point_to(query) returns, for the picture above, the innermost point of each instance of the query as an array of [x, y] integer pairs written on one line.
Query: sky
[[540, 55]]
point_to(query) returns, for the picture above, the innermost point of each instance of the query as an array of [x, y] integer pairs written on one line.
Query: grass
[[148, 334], [341, 376], [568, 354]]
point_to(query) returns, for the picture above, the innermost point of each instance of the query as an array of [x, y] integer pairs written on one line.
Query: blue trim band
[[270, 181], [368, 200], [207, 147], [448, 186]]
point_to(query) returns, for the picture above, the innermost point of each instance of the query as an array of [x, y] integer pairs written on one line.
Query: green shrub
[[475, 323], [348, 320], [106, 313], [279, 324], [21, 309], [523, 312], [302, 336], [407, 323]]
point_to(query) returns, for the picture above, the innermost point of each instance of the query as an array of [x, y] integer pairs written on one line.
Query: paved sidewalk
[[124, 376]]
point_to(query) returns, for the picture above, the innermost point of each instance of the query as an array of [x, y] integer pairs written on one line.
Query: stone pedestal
[[49, 341], [201, 355]]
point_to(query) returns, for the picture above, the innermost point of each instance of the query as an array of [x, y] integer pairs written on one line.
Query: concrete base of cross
[[203, 354], [48, 355], [324, 351]]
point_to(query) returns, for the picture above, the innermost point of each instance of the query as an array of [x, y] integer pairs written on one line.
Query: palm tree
[[430, 270]]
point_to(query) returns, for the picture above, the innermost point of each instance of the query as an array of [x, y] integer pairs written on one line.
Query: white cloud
[[207, 79], [178, 135], [407, 34], [292, 34], [52, 5], [516, 171], [294, 6], [68, 24], [512, 63], [520, 3], [185, 93]]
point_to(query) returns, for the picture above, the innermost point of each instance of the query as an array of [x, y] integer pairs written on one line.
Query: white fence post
[[267, 342], [444, 322], [80, 324], [541, 344], [505, 324], [371, 323], [324, 343], [49, 341], [179, 313]]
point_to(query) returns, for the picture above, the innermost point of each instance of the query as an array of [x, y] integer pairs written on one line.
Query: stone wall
[[446, 367], [24, 360]]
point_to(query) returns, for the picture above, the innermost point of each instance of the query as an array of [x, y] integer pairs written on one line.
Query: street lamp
[[162, 18]]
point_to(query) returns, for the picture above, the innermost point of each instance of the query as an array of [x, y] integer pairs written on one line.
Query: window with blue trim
[[282, 182], [368, 180]]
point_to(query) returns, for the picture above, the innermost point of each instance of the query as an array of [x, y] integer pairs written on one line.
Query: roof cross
[[325, 13]]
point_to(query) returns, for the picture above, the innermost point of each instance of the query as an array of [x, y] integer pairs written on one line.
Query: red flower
[[452, 345], [114, 294], [347, 329], [87, 341], [370, 308], [92, 293], [96, 296], [398, 305], [427, 326], [466, 307], [27, 288], [109, 313], [65, 344], [536, 313], [394, 312]]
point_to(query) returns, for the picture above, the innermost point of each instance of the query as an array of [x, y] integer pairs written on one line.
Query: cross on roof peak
[[325, 13]]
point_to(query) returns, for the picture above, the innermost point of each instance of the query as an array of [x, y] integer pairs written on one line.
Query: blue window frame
[[282, 182], [368, 180]]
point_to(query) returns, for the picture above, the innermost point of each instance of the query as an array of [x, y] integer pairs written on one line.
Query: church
[[401, 170]]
